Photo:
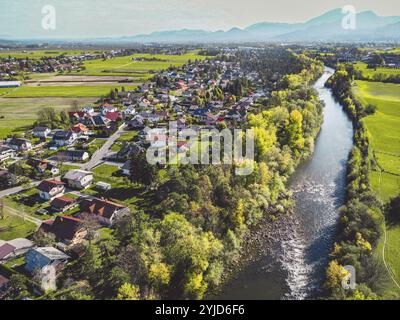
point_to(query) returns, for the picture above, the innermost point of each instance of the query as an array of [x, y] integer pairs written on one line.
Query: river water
[[293, 267]]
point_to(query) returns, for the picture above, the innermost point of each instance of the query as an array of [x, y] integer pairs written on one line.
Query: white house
[[41, 132], [6, 153], [64, 138], [51, 189], [78, 179], [88, 109], [129, 111], [20, 144], [107, 109]]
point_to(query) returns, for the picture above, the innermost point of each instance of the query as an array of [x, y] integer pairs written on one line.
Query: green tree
[[128, 291]]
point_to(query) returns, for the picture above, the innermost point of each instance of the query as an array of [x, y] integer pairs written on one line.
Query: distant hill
[[327, 27]]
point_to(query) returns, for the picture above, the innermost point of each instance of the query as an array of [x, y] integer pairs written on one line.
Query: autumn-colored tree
[[128, 291]]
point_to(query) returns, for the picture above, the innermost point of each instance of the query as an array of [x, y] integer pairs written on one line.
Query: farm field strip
[[18, 114], [369, 73], [384, 128], [64, 91]]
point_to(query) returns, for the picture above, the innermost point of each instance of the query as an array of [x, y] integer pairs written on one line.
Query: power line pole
[[1, 209]]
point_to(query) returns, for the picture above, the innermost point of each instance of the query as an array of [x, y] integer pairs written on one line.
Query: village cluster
[[200, 94]]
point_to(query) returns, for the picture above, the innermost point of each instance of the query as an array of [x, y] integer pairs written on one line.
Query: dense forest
[[178, 245]]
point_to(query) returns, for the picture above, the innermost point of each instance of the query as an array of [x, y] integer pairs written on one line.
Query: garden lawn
[[122, 190], [12, 227]]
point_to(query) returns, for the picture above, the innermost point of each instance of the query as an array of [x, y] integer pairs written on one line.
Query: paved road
[[15, 190], [103, 151]]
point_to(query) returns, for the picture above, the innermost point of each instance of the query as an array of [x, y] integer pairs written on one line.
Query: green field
[[384, 128], [369, 73], [18, 115], [64, 91], [19, 106], [4, 91], [12, 227], [392, 254], [126, 66], [35, 54]]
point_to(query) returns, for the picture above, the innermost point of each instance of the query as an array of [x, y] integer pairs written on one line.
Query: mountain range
[[324, 28]]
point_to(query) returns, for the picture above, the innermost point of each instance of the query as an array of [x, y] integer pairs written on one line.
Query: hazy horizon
[[21, 19]]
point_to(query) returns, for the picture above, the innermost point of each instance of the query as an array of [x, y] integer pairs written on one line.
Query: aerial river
[[293, 265]]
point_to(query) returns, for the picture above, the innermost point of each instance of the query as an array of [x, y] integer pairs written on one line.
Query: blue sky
[[97, 18]]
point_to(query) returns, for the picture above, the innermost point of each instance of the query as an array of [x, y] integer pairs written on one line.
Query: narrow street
[[103, 151]]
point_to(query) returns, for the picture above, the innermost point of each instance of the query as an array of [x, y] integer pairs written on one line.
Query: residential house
[[20, 144], [201, 114], [78, 179], [162, 115], [129, 111], [62, 204], [88, 110], [41, 132], [66, 229], [78, 116], [136, 124], [98, 122], [107, 212], [150, 117], [80, 129], [63, 138], [103, 186], [50, 189], [234, 114], [144, 104], [14, 248], [39, 258], [43, 167], [113, 116], [107, 108], [6, 153], [72, 155]]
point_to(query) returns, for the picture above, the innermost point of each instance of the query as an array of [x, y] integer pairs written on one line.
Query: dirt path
[[389, 270]]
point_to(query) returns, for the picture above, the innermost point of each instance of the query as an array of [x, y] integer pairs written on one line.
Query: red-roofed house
[[107, 212], [51, 189], [66, 229], [62, 204], [113, 116], [80, 129]]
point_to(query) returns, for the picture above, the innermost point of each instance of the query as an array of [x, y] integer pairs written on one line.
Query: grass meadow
[[369, 73], [384, 130]]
